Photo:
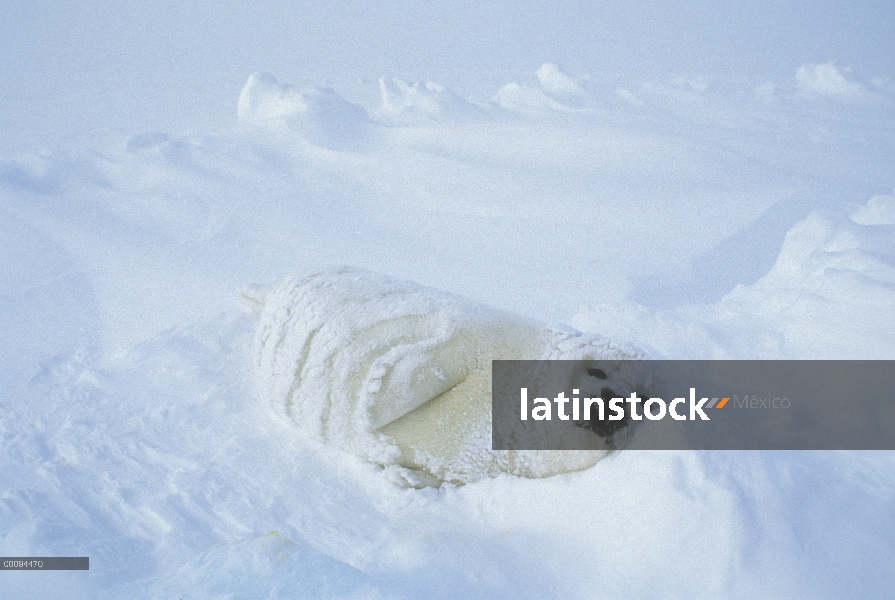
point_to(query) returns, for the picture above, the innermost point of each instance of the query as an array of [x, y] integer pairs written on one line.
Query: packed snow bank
[[401, 374], [828, 296]]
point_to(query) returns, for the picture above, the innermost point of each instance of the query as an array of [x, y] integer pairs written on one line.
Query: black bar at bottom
[[45, 563]]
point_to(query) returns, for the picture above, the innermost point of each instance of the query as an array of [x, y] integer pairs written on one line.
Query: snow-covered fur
[[401, 374]]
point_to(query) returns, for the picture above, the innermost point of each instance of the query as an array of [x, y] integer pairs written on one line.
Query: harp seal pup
[[400, 374]]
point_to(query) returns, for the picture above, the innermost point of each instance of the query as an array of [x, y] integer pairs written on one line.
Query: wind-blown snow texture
[[144, 417]]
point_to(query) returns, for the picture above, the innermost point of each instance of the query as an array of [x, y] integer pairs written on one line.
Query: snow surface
[[144, 421]]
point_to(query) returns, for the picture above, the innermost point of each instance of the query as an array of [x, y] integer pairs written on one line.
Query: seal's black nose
[[595, 372]]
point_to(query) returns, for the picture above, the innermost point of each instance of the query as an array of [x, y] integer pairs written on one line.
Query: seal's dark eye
[[607, 394], [595, 372]]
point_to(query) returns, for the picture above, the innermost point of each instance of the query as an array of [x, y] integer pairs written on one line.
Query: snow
[[323, 117], [822, 299], [826, 81], [404, 210], [409, 104]]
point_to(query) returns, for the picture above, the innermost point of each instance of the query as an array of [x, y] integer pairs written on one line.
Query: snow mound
[[558, 92], [407, 103], [828, 296], [559, 84], [879, 210], [826, 81], [401, 374], [321, 116], [834, 278]]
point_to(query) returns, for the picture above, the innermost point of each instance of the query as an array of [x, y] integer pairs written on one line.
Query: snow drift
[[833, 277], [129, 430], [322, 116], [401, 374]]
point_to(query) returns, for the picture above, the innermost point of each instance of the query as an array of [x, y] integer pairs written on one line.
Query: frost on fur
[[401, 374]]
